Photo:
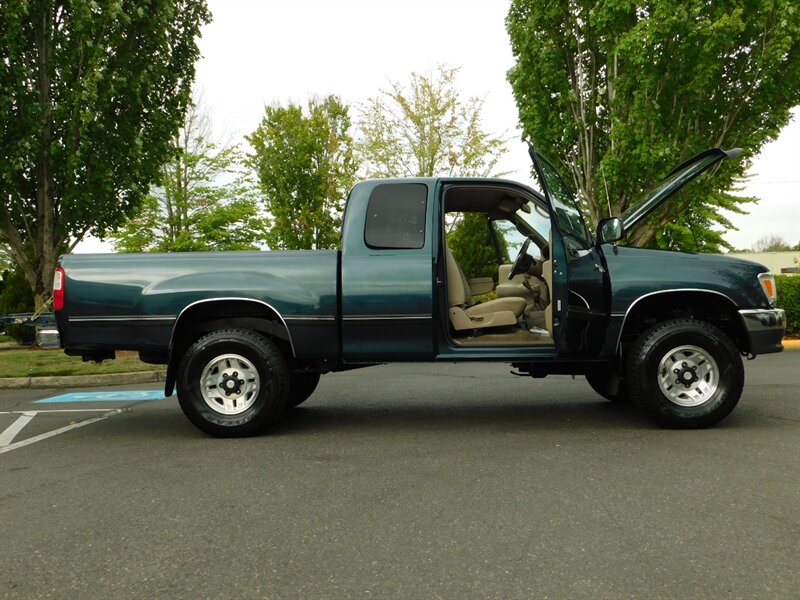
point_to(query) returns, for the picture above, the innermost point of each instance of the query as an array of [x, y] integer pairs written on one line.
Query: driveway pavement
[[403, 481]]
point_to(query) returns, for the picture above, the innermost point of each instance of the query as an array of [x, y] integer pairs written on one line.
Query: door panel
[[387, 273], [587, 310], [387, 307]]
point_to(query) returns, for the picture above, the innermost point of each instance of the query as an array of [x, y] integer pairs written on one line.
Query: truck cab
[[565, 295]]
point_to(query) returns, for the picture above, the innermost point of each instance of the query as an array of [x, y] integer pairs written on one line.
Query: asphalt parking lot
[[404, 481]]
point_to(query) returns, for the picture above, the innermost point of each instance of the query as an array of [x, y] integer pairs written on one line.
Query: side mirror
[[610, 230]]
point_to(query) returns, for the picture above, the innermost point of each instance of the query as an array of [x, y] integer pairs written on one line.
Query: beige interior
[[515, 287], [480, 285], [516, 317], [547, 274], [501, 312]]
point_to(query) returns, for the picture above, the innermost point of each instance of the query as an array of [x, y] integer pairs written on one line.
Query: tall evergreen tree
[[622, 92]]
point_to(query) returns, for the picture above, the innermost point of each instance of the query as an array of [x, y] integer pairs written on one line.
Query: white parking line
[[11, 432], [8, 435]]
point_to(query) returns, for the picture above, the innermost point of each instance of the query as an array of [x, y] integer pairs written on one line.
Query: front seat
[[501, 312]]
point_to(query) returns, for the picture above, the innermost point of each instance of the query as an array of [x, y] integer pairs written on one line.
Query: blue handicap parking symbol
[[121, 396]]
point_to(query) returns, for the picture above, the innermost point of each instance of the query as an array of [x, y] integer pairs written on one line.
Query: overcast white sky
[[257, 52]]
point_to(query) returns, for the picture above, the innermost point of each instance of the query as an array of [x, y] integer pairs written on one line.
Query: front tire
[[685, 374], [233, 383]]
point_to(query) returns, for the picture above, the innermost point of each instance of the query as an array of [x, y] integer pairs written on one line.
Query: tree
[[622, 92], [306, 167], [205, 199], [92, 94], [771, 243], [424, 129]]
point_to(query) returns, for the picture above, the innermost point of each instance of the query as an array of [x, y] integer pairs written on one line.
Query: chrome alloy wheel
[[688, 376], [229, 384]]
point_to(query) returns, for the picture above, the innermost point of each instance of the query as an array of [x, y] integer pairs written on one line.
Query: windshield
[[568, 216], [532, 220]]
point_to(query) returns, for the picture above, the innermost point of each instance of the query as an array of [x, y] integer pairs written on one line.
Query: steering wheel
[[520, 263]]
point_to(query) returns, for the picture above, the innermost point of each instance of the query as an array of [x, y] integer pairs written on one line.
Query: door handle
[[599, 268]]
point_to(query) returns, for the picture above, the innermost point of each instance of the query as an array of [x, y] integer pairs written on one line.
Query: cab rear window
[[396, 216]]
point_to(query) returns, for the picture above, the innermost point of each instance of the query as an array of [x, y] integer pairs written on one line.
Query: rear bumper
[[765, 328]]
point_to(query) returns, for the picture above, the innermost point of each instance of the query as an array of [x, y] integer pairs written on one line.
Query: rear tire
[[301, 387], [685, 374], [233, 383]]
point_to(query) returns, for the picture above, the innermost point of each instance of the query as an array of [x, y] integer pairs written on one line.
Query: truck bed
[[132, 301]]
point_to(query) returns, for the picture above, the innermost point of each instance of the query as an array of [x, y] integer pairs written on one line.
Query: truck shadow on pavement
[[323, 417], [489, 417]]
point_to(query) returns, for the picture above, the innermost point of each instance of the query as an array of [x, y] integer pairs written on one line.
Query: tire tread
[[639, 354]]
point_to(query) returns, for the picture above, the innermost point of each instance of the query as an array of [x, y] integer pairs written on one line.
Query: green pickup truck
[[246, 335]]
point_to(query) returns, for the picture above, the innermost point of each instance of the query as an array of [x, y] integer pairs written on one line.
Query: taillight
[[58, 289], [767, 281]]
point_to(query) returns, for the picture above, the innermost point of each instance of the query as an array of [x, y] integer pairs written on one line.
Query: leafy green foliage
[[624, 91], [6, 262], [424, 129], [788, 288], [306, 167], [473, 248], [15, 295], [205, 199], [91, 93]]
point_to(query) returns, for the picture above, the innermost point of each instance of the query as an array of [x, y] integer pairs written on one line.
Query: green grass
[[43, 363], [5, 338]]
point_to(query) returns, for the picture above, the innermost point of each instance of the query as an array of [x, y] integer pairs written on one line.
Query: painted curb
[[72, 381]]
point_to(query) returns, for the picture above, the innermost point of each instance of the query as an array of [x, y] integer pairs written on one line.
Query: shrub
[[24, 335], [16, 297], [788, 287]]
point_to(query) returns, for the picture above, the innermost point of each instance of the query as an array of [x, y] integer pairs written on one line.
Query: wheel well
[[205, 317], [709, 307]]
